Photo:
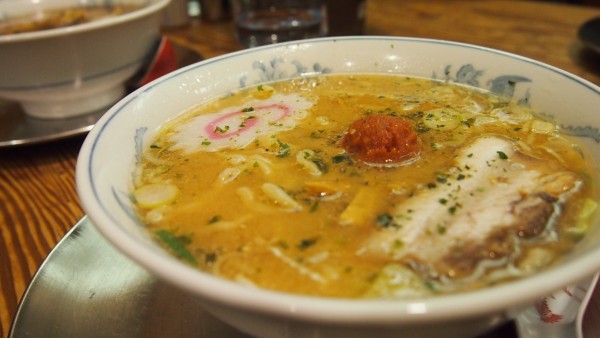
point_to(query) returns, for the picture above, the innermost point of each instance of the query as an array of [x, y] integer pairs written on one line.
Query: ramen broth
[[308, 186]]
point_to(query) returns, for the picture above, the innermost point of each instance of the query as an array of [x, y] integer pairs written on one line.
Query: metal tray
[[86, 288], [16, 128]]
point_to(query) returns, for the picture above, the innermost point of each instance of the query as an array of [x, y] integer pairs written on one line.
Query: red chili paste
[[381, 139]]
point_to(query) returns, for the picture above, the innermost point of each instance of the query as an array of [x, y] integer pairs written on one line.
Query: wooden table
[[38, 198]]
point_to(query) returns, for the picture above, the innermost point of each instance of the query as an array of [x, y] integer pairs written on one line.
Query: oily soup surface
[[273, 186]]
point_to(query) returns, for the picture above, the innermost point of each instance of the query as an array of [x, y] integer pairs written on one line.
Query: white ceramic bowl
[[74, 70], [103, 179]]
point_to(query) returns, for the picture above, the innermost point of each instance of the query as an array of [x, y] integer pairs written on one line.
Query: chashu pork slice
[[494, 197]]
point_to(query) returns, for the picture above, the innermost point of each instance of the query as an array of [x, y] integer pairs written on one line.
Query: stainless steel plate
[[16, 128], [86, 288]]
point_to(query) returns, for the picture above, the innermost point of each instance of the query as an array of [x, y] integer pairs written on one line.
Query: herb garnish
[[314, 206], [339, 158], [385, 220], [246, 119], [441, 229], [320, 164], [177, 244], [284, 149], [221, 130], [306, 243], [210, 258], [441, 178]]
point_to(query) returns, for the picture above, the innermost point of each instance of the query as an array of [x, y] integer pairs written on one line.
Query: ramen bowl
[[104, 180], [72, 70]]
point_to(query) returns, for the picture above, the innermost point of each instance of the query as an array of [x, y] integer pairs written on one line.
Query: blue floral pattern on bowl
[[278, 69], [502, 85]]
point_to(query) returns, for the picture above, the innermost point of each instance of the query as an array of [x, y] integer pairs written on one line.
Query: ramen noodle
[[365, 186]]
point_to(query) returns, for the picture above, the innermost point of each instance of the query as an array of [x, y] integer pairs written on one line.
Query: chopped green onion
[[177, 244]]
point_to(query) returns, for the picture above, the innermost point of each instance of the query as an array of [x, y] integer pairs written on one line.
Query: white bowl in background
[[69, 71], [104, 181]]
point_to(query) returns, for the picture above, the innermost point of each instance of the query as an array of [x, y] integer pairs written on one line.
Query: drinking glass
[[262, 22]]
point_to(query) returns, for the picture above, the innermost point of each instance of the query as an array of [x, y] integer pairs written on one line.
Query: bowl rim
[[215, 290], [148, 9]]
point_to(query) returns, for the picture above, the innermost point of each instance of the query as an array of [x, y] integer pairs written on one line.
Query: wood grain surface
[[38, 205], [38, 197]]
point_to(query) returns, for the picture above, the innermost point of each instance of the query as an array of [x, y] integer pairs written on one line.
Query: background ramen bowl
[[103, 178], [74, 70]]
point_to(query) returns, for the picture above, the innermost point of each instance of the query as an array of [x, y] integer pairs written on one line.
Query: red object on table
[[164, 62]]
